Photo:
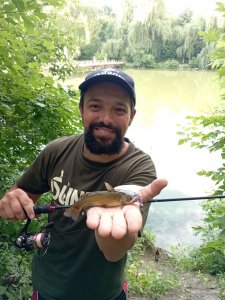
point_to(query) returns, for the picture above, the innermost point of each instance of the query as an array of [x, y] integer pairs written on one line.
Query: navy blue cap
[[112, 75]]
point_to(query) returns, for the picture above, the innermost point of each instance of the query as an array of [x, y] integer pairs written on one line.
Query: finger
[[26, 203], [119, 225], [150, 191], [105, 225], [133, 218], [18, 210], [93, 218]]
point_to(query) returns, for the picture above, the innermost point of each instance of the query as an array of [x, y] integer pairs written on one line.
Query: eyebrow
[[95, 99]]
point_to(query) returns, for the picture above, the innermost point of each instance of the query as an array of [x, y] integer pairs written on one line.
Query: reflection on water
[[164, 99]]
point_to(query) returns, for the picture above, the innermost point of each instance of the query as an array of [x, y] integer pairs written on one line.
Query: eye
[[120, 110], [94, 107]]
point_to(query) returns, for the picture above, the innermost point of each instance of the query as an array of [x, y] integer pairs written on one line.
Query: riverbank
[[192, 285]]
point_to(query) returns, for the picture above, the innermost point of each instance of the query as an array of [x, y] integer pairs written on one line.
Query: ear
[[81, 110], [133, 113]]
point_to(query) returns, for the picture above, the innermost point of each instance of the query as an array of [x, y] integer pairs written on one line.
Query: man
[[85, 259]]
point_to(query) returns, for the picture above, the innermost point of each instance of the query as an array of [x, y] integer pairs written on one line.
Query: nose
[[106, 117]]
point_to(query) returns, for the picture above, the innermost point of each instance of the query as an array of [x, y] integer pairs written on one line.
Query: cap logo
[[105, 72]]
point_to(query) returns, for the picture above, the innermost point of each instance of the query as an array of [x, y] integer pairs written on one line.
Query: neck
[[104, 158]]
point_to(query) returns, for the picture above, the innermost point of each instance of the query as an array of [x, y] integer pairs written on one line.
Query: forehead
[[105, 90]]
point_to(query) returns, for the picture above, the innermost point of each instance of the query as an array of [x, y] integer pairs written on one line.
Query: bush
[[15, 273], [142, 278], [143, 60], [170, 64], [194, 63]]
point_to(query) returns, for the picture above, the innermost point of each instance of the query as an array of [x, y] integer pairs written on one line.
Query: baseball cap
[[112, 75]]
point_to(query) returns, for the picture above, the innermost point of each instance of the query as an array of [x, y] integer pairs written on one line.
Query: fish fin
[[109, 187], [70, 214], [75, 217]]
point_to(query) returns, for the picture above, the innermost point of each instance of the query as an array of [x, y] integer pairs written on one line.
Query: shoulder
[[137, 153]]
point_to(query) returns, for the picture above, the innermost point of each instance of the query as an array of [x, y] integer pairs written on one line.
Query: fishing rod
[[187, 198], [29, 241], [46, 208]]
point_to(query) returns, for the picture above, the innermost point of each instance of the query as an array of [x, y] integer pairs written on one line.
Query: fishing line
[[187, 198]]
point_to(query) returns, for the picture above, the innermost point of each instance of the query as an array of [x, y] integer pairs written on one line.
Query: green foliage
[[156, 35], [112, 49], [34, 109], [208, 132], [221, 285], [142, 278], [168, 50], [143, 60], [15, 277], [184, 18], [199, 260], [194, 63], [170, 64]]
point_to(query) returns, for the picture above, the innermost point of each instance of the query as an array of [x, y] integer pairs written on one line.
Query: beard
[[102, 145]]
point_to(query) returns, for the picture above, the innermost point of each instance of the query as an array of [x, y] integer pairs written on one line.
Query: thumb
[[153, 189]]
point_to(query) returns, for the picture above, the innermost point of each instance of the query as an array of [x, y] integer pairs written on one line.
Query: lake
[[165, 99]]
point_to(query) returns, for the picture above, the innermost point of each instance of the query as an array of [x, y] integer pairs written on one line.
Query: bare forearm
[[114, 249]]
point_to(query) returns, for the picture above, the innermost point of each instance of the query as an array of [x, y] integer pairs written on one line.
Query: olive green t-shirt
[[73, 267]]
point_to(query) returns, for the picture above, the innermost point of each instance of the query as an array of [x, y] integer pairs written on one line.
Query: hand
[[147, 192], [119, 221], [116, 228], [16, 205], [116, 222]]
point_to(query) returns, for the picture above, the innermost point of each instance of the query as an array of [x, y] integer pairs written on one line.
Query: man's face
[[106, 115]]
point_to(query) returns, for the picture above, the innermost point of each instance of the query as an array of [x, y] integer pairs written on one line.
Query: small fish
[[109, 198]]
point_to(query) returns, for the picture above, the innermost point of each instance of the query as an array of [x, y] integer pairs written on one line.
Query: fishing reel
[[30, 241], [40, 240]]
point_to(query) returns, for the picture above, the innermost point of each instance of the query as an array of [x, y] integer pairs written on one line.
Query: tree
[[158, 27], [184, 18], [33, 108]]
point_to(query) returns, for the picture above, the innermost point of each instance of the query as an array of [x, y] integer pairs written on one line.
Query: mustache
[[102, 124]]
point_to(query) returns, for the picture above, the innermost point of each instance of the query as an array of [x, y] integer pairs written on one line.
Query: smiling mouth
[[104, 132], [104, 129]]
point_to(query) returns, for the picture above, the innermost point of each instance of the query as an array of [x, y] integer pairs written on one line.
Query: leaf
[[32, 65], [40, 14], [41, 104], [49, 45], [221, 6], [182, 141], [11, 20], [3, 51], [27, 22], [2, 289], [19, 5]]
